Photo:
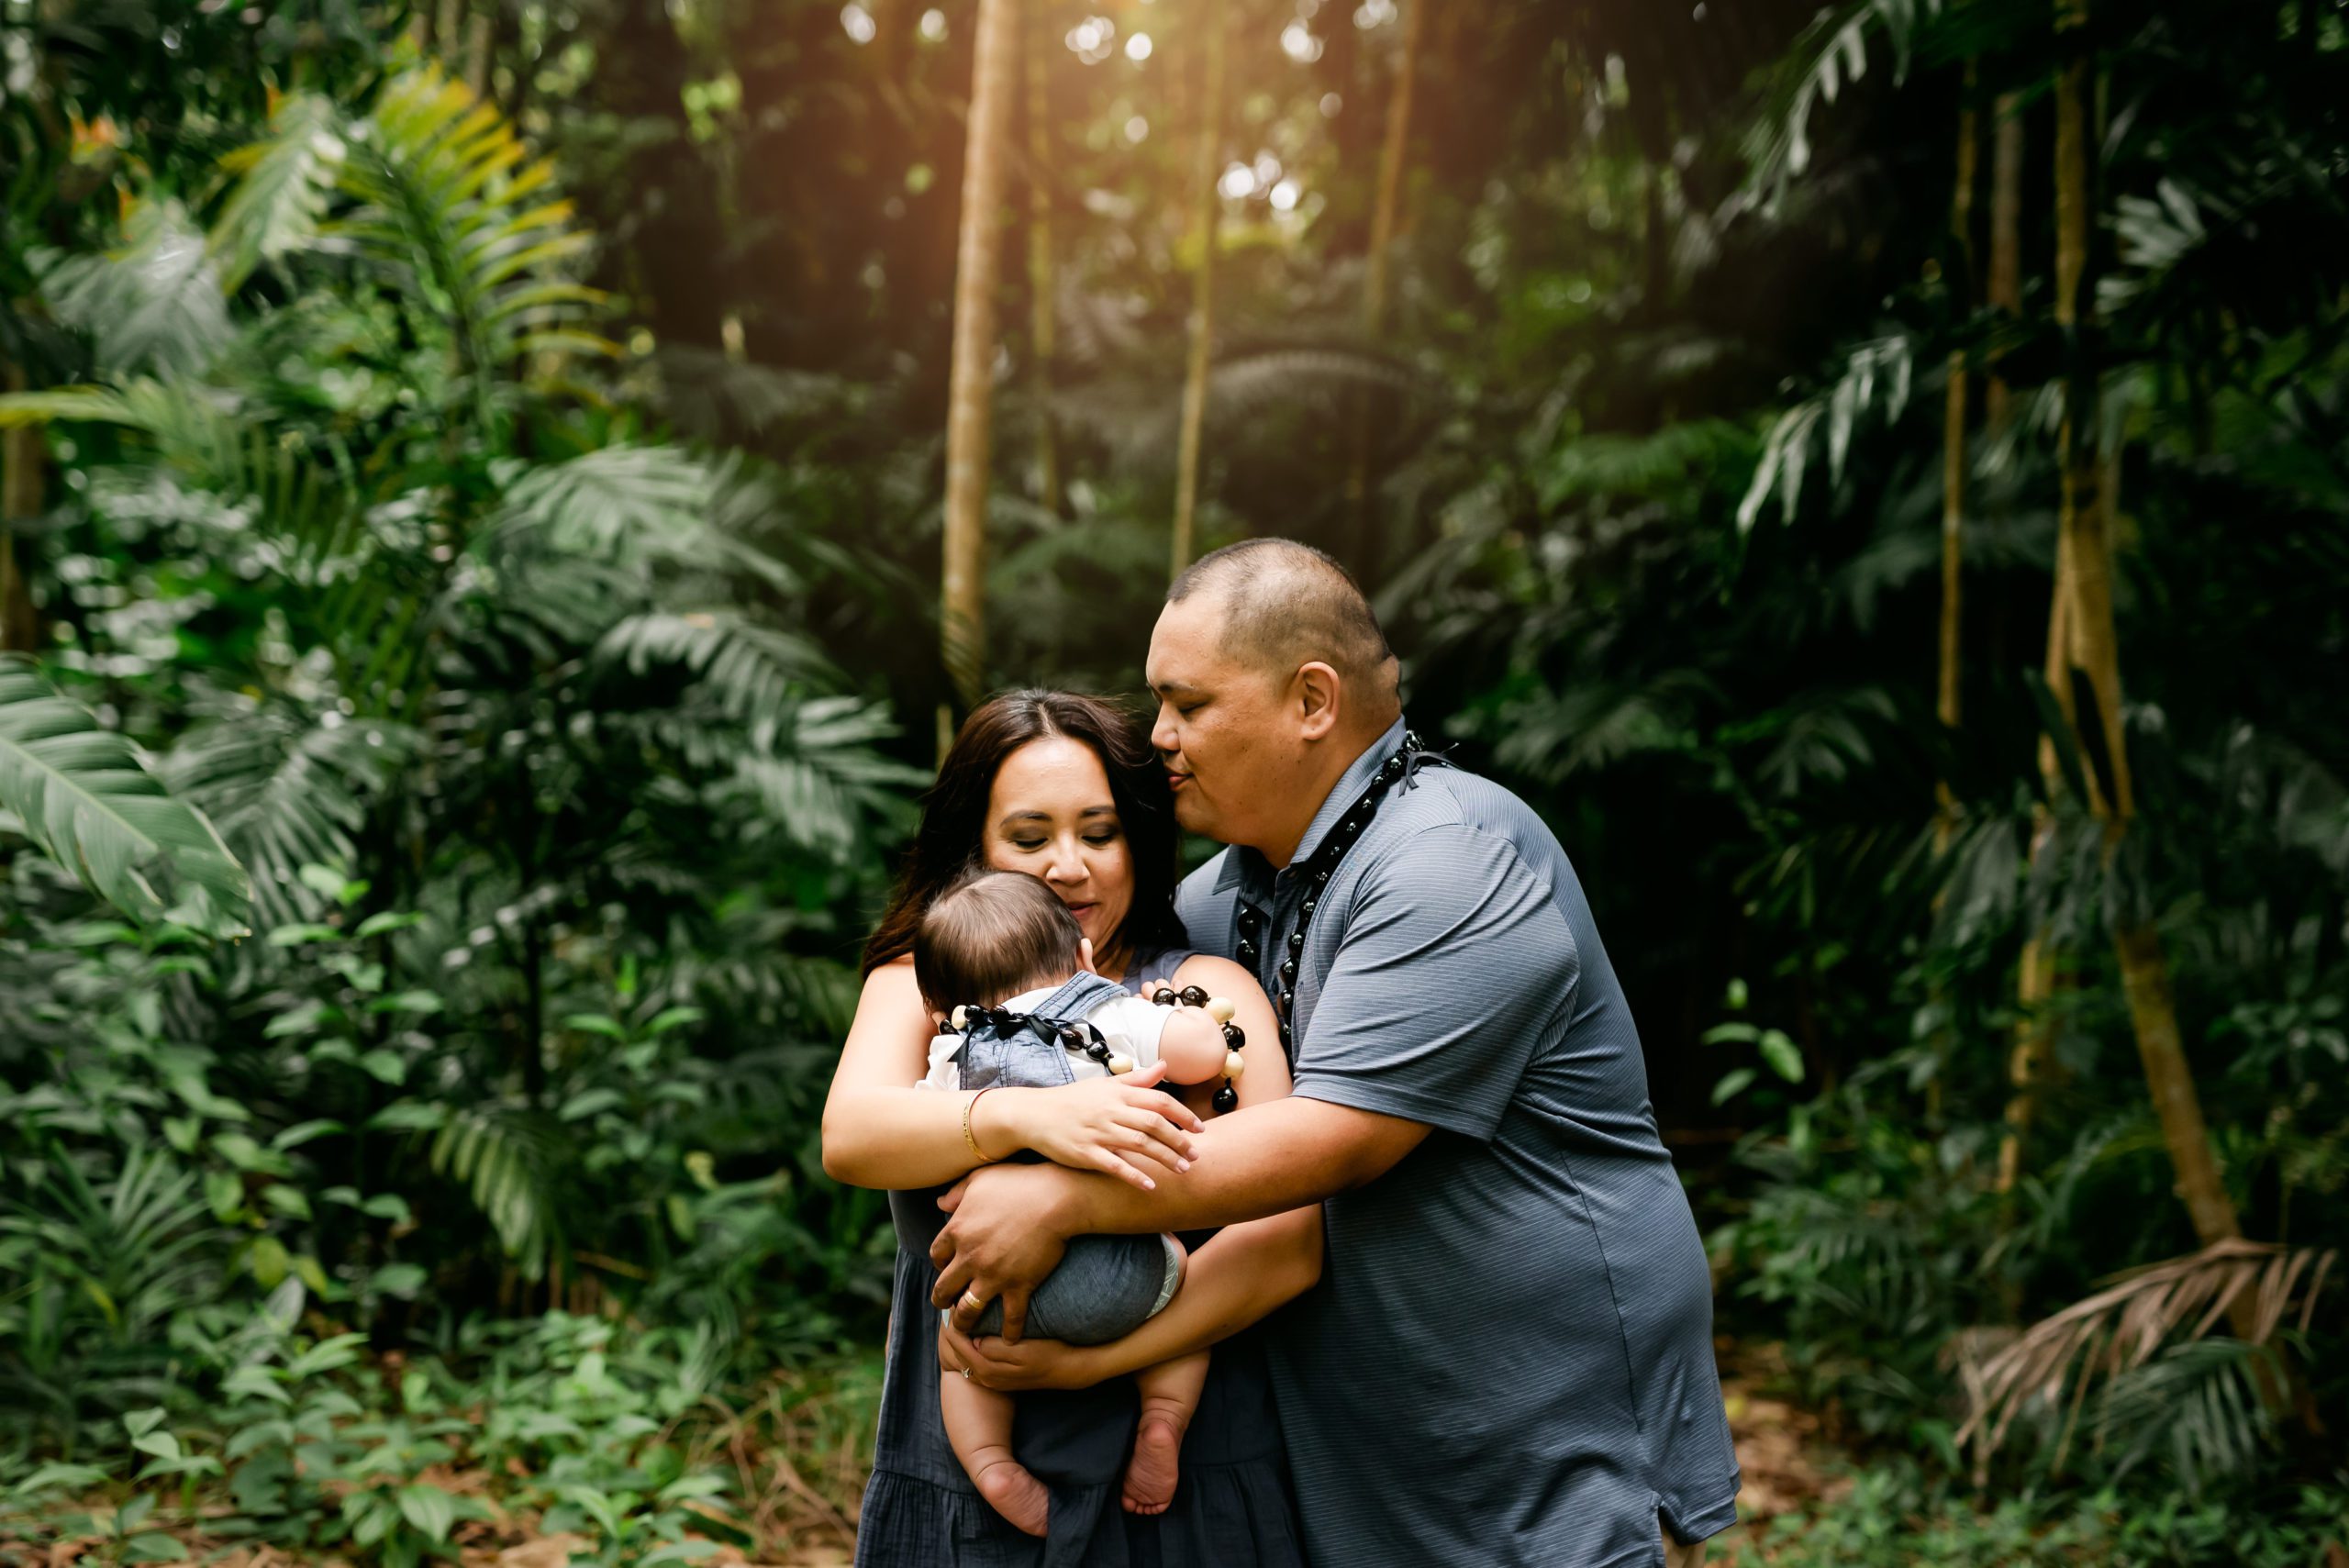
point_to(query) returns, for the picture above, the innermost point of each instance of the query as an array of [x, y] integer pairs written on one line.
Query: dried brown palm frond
[[2123, 1325]]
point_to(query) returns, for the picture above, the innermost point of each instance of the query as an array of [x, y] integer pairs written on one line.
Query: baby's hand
[[1113, 1125]]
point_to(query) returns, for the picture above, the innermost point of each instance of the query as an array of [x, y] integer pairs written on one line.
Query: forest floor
[[801, 1465]]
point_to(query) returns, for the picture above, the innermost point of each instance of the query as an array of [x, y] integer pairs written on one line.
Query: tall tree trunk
[[1947, 701], [22, 454], [2145, 969], [1382, 239], [1195, 377], [995, 79], [1044, 322], [2029, 1059], [1954, 455]]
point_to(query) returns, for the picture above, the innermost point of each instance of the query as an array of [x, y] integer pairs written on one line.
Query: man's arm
[[1011, 1223]]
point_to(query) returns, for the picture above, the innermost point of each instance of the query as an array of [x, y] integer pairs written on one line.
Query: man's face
[[1223, 731]]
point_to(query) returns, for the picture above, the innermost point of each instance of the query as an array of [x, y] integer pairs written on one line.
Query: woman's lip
[[1176, 781]]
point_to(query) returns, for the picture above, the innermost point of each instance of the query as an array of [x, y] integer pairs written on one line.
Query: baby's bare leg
[[978, 1425], [1170, 1396]]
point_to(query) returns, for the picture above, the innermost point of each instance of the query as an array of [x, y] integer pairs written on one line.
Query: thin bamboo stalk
[[1195, 375], [963, 607]]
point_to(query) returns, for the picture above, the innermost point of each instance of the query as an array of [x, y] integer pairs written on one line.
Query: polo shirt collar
[[1246, 868]]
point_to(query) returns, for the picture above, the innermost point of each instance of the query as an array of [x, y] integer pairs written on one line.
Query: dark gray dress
[[1231, 1511]]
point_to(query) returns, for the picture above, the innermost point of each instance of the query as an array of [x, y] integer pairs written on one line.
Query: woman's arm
[[882, 1132], [1233, 1281], [879, 1129]]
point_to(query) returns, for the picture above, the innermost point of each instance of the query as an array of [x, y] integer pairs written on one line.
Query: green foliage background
[[473, 659]]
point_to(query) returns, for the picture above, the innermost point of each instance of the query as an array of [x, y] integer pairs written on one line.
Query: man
[[1508, 1358]]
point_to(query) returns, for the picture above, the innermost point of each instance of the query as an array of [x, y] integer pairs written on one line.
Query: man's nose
[[1161, 734]]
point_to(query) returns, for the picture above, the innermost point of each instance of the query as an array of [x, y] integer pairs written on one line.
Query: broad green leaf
[[1783, 1057], [85, 800], [153, 1549], [303, 1132], [429, 1509]]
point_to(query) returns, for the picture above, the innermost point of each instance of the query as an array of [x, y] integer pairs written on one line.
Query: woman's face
[[1049, 814]]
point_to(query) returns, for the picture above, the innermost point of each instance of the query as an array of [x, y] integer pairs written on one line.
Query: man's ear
[[1320, 698]]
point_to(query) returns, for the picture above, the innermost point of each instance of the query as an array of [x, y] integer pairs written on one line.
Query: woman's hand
[[1007, 1368], [1122, 1127]]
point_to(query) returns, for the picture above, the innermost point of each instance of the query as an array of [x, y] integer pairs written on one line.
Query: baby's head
[[991, 936]]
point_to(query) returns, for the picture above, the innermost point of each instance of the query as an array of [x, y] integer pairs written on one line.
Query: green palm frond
[[81, 794], [2198, 1408], [152, 306], [819, 778], [754, 671], [286, 184], [506, 1160], [1831, 53], [620, 504], [1880, 365], [455, 207], [1552, 735], [287, 789]]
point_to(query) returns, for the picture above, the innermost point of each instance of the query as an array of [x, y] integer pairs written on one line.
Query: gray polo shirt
[[1508, 1359]]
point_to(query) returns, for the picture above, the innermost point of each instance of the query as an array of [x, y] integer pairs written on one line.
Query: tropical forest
[[503, 504]]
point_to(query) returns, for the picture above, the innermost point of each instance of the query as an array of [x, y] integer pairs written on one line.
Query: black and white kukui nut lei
[[1401, 766]]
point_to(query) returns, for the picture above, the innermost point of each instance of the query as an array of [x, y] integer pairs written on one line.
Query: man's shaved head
[[1287, 605]]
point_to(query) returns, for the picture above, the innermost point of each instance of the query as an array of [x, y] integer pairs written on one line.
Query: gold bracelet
[[968, 1106]]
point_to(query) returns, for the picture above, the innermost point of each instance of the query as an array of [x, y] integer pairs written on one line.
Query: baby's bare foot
[[1015, 1494], [1158, 1452]]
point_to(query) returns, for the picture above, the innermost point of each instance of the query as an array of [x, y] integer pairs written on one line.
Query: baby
[[1002, 958]]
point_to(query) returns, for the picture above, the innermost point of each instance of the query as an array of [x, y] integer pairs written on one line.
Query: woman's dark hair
[[954, 814]]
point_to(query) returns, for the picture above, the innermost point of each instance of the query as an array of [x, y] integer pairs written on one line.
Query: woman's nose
[[1065, 868]]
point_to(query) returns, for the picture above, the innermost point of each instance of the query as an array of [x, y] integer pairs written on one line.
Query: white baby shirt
[[1130, 1025]]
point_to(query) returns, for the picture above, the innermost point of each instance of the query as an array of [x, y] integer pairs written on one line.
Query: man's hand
[[1006, 1235], [1033, 1363]]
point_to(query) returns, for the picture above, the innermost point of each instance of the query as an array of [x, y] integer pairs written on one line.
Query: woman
[[1064, 788]]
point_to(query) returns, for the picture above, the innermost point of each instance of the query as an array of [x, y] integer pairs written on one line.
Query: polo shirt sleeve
[[1453, 958]]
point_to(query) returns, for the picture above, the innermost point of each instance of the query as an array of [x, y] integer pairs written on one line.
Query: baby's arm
[[1193, 1047]]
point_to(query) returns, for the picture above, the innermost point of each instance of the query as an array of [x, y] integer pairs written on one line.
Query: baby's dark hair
[[991, 936]]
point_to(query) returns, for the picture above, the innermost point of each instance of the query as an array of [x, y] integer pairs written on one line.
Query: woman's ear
[[1085, 955]]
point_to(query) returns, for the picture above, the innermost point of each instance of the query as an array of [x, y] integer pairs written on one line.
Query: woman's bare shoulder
[[1217, 975], [893, 980]]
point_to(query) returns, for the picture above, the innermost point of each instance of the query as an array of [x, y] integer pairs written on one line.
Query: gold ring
[[973, 1302], [966, 1374]]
